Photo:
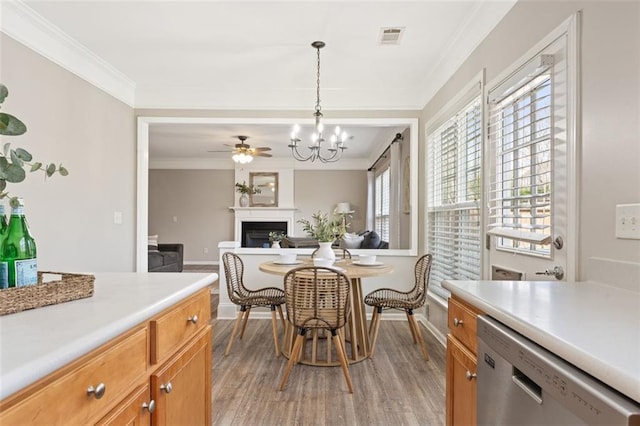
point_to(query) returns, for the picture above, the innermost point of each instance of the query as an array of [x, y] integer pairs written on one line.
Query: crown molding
[[23, 24]]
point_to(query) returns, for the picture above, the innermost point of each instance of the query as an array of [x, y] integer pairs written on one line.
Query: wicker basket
[[68, 287]]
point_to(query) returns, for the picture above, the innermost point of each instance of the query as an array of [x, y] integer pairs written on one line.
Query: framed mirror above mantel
[[266, 183]]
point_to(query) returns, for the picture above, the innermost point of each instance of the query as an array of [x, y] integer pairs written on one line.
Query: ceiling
[[256, 55]]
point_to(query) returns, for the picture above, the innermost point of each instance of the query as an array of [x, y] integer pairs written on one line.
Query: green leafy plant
[[276, 236], [14, 161], [323, 228], [243, 188]]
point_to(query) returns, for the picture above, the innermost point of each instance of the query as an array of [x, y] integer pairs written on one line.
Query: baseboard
[[227, 311], [201, 262]]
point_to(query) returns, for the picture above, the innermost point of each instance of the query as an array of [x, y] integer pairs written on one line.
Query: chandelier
[[318, 148]]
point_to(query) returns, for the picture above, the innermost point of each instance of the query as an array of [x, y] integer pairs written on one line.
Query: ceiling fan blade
[[262, 154]]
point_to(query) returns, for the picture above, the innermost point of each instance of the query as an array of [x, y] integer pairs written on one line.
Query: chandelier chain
[[318, 108]]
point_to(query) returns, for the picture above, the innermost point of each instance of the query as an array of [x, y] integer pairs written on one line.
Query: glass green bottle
[[18, 252], [3, 222]]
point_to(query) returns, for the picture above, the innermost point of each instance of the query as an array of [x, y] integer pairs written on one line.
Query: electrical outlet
[[205, 250], [117, 218], [628, 221], [175, 219]]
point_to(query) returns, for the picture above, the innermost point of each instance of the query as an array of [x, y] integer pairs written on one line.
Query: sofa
[[166, 257], [361, 240]]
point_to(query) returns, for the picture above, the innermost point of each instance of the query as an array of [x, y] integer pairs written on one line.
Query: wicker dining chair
[[240, 295], [317, 298], [387, 298], [341, 253]]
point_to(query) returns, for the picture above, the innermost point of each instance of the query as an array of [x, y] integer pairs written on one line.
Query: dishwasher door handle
[[527, 385]]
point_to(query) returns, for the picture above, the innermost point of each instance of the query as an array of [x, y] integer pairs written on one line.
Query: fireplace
[[256, 234]]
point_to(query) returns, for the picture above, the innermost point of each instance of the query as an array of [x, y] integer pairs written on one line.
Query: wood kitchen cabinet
[[462, 347], [135, 410], [181, 390], [120, 382]]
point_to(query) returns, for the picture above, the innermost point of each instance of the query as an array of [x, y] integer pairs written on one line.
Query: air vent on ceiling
[[391, 35]]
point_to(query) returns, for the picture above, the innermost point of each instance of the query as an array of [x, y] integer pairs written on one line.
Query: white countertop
[[593, 326], [37, 342]]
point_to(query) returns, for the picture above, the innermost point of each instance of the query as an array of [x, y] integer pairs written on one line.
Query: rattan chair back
[[418, 294], [317, 297], [341, 253], [234, 272]]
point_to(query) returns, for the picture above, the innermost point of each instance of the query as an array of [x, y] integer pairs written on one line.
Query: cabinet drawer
[[65, 399], [173, 328], [462, 324]]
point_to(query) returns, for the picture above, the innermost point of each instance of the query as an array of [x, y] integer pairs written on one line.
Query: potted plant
[[14, 161], [245, 190], [326, 230], [275, 237]]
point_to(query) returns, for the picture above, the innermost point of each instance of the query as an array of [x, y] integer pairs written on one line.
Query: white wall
[[91, 133]]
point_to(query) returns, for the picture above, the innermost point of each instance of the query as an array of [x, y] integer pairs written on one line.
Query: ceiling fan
[[243, 151]]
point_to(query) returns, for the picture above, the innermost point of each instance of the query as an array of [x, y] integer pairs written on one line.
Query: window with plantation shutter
[[382, 191], [453, 202], [521, 190]]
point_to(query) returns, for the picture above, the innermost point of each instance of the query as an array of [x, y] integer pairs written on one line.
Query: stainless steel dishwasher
[[521, 383]]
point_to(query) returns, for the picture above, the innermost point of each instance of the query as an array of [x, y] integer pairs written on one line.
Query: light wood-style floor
[[396, 387]]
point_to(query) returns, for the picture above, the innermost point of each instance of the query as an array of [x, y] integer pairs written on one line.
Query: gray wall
[[320, 190], [610, 107], [199, 200], [92, 134]]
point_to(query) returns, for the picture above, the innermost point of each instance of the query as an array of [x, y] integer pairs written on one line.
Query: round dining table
[[357, 339]]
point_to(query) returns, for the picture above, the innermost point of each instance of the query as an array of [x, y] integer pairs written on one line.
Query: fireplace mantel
[[262, 214]]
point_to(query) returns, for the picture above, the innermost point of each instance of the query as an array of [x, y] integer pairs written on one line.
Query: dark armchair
[[167, 258]]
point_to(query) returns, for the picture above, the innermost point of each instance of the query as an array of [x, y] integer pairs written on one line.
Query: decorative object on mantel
[[326, 230], [337, 144], [69, 287], [275, 238], [245, 190]]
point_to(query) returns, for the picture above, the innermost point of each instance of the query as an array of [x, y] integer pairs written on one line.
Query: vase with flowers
[[326, 230], [245, 190], [275, 237]]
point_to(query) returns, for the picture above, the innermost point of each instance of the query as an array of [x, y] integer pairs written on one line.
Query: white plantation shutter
[[453, 203], [382, 204], [521, 138]]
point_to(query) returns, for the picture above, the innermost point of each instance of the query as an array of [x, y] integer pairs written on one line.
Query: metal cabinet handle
[[193, 319], [557, 272], [470, 376], [457, 322], [98, 391], [167, 388], [151, 406]]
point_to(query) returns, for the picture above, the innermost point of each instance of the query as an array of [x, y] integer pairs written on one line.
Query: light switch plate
[[117, 218], [628, 221]]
